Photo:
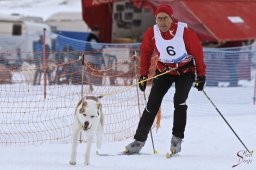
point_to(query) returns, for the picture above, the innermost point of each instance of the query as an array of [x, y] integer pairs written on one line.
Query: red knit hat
[[164, 8]]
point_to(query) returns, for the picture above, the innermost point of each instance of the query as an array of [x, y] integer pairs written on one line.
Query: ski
[[168, 155], [106, 154], [121, 154]]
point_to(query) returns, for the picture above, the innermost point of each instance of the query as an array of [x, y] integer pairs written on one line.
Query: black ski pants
[[161, 85]]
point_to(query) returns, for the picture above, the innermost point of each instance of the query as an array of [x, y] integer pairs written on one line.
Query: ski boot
[[175, 144], [134, 147]]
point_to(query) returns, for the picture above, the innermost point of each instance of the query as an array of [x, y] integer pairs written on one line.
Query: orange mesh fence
[[27, 118], [39, 91]]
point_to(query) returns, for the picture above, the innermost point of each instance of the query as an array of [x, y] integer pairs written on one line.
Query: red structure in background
[[217, 22], [213, 20], [99, 12]]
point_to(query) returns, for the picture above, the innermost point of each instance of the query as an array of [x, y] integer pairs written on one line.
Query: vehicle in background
[[67, 21], [17, 35]]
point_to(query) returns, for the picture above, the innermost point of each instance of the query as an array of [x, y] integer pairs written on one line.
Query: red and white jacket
[[192, 44]]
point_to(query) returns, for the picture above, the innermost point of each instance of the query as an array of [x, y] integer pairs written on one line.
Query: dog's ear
[[84, 104], [82, 110], [83, 107]]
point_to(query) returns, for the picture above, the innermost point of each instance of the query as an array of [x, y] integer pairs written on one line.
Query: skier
[[178, 47]]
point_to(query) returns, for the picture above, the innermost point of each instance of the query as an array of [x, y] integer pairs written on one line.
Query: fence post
[[44, 66], [82, 88], [83, 68]]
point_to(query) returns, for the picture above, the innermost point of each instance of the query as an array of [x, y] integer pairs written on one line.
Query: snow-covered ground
[[209, 144]]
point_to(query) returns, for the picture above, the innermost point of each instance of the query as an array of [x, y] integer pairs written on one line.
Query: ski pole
[[82, 87], [226, 121], [151, 136], [152, 140]]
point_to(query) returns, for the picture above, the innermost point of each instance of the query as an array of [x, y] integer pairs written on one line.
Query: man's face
[[163, 21]]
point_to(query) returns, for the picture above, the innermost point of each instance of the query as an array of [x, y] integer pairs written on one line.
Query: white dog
[[88, 117]]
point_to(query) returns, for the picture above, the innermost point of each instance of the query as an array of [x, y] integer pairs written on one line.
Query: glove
[[143, 84], [199, 83]]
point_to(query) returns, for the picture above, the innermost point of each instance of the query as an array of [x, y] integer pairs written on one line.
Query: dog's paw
[[72, 162], [86, 163]]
